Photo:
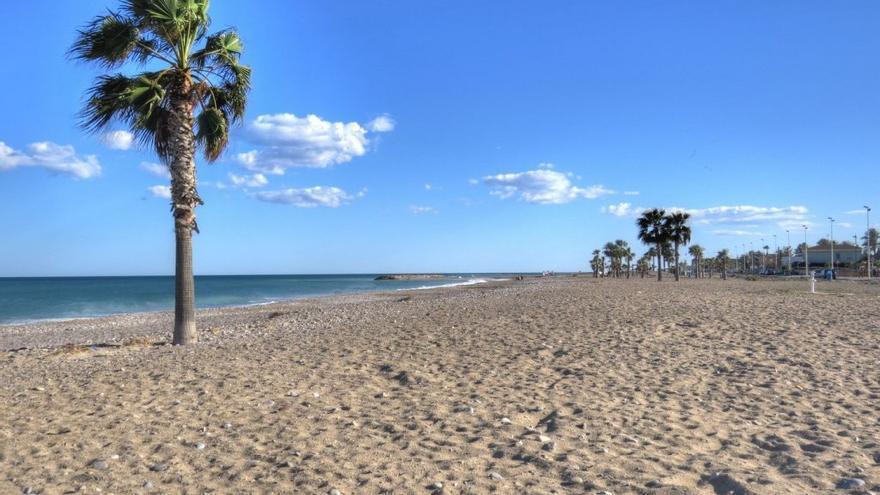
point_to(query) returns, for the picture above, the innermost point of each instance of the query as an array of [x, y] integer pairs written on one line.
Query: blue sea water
[[47, 298]]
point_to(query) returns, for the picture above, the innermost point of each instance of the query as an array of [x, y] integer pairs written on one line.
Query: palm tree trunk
[[184, 290], [659, 262], [185, 199], [676, 262]]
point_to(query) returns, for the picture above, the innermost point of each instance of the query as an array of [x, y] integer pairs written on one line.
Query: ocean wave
[[472, 281]]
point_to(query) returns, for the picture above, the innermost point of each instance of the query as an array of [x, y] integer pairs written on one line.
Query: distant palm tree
[[871, 236], [652, 231], [643, 265], [596, 263], [190, 101], [678, 232], [696, 252], [723, 257], [629, 255]]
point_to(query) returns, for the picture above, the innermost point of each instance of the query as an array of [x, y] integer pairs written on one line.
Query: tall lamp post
[[788, 233], [868, 237], [806, 252], [832, 243]]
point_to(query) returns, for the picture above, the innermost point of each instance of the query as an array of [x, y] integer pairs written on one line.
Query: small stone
[[158, 468], [227, 426], [114, 457], [437, 485], [549, 446], [200, 446], [148, 485], [99, 464], [653, 484], [27, 490], [293, 393], [577, 480], [506, 421], [334, 491], [544, 438], [495, 476], [850, 483]]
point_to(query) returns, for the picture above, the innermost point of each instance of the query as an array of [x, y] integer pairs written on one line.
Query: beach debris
[[506, 421], [334, 491], [544, 439], [493, 475], [549, 422], [653, 484], [99, 464], [158, 468], [850, 483], [200, 446]]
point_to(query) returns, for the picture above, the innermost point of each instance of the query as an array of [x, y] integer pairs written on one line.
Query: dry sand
[[562, 385]]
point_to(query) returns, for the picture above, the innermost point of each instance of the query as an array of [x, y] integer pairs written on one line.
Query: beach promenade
[[543, 386]]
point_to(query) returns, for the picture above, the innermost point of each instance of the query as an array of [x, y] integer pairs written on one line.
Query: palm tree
[[723, 256], [643, 265], [196, 92], [652, 231], [679, 233], [596, 263], [870, 237], [696, 252], [629, 255]]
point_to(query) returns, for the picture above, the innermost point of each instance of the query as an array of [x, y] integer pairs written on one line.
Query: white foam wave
[[472, 281]]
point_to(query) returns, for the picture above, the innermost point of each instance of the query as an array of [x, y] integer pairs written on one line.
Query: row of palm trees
[[665, 234]]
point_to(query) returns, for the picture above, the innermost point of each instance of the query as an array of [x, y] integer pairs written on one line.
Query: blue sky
[[395, 136]]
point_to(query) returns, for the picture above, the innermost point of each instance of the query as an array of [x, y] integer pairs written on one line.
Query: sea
[[31, 299]]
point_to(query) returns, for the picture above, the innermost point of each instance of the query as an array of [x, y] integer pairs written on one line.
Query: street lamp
[[806, 252], [868, 237], [788, 233], [832, 244]]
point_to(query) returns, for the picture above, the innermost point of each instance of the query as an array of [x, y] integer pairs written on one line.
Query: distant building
[[821, 256]]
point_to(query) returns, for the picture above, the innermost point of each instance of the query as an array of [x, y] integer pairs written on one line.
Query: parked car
[[825, 273]]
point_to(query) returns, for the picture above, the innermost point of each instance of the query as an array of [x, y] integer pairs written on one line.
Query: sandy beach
[[556, 385]]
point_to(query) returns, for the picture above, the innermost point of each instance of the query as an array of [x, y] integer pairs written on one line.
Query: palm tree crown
[[165, 33]]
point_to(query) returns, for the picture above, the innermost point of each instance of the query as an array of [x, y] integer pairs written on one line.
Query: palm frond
[[108, 40], [213, 132]]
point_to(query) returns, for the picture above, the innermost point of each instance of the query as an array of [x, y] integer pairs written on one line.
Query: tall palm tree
[[629, 255], [196, 89], [652, 231], [723, 257], [696, 252], [678, 232]]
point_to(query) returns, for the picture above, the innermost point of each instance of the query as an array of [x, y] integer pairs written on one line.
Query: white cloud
[[542, 186], [118, 140], [56, 158], [421, 210], [619, 210], [157, 169], [784, 216], [255, 180], [382, 123], [630, 193], [739, 233], [160, 191], [309, 197], [288, 141]]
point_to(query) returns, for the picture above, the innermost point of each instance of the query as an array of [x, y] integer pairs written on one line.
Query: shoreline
[[32, 322]]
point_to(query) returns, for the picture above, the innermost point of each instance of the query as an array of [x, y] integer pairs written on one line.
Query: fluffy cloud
[[619, 210], [56, 158], [421, 210], [160, 191], [382, 123], [630, 193], [309, 197], [118, 140], [289, 141], [255, 180], [156, 169], [541, 186]]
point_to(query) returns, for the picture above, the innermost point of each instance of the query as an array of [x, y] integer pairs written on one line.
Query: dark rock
[[850, 483]]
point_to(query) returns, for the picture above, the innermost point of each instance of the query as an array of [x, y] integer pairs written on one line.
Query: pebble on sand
[[850, 483], [495, 476]]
